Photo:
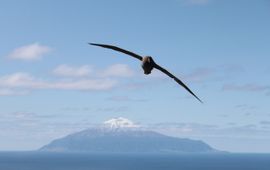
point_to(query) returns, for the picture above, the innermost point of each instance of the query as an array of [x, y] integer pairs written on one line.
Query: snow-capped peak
[[120, 122]]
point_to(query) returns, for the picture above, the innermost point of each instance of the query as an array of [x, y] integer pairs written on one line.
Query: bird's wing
[[176, 79], [118, 49]]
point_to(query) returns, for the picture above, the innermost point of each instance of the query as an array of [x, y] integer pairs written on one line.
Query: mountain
[[122, 135]]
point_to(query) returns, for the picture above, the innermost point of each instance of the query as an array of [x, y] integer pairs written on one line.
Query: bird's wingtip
[[95, 44], [199, 100]]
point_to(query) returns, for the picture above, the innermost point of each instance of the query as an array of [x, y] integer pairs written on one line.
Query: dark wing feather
[[176, 79], [118, 49]]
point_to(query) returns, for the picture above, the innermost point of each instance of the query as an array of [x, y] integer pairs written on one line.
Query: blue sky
[[53, 83]]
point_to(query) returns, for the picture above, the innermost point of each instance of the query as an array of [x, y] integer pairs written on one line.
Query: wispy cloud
[[12, 92], [17, 125], [72, 71], [180, 126], [265, 123], [125, 99], [117, 110], [29, 52], [23, 115], [246, 87], [247, 109], [232, 68], [218, 73], [207, 130], [199, 75]]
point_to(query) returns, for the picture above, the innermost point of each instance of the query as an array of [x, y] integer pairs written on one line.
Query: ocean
[[83, 161]]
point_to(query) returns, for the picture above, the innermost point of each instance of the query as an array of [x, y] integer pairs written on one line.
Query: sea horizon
[[39, 160]]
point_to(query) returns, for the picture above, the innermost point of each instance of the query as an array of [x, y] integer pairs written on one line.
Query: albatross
[[148, 64]]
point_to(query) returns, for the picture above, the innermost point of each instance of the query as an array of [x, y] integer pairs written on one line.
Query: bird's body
[[148, 64]]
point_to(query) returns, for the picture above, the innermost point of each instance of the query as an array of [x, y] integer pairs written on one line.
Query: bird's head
[[148, 59]]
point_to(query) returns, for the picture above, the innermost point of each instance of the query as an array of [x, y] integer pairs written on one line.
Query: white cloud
[[20, 80], [29, 52], [117, 70], [72, 71], [85, 84], [26, 81], [70, 78]]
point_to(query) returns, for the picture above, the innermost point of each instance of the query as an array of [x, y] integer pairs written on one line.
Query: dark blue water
[[60, 161]]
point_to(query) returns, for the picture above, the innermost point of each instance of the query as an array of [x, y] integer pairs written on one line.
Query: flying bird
[[148, 64]]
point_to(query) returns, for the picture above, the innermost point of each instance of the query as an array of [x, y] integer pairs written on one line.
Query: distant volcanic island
[[120, 135]]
